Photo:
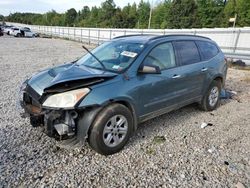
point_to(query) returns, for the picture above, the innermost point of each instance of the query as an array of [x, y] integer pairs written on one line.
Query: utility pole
[[150, 15], [235, 17]]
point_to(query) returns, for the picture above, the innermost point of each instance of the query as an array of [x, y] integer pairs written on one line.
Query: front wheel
[[111, 129], [211, 99]]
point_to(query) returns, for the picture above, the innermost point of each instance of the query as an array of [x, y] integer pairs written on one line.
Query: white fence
[[235, 42]]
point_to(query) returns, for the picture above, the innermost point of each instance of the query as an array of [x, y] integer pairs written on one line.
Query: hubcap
[[115, 130], [214, 96]]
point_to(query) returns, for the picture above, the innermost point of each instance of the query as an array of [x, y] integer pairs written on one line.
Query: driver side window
[[161, 56]]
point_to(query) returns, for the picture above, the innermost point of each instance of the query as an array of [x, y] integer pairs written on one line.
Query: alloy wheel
[[115, 130]]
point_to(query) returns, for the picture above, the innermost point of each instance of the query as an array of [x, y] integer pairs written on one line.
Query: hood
[[67, 77]]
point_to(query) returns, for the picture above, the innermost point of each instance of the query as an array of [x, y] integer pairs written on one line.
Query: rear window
[[187, 52], [207, 49]]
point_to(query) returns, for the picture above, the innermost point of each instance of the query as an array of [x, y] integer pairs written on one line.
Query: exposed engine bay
[[59, 123]]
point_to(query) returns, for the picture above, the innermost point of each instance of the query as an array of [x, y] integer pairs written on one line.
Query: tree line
[[165, 14]]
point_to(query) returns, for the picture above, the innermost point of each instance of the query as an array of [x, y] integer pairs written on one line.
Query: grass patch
[[150, 151], [159, 139]]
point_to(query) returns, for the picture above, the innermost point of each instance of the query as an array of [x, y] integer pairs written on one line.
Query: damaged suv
[[103, 96]]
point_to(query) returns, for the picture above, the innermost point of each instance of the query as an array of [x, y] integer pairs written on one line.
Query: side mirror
[[149, 69]]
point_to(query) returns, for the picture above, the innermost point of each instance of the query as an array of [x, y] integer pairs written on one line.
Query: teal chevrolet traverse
[[102, 97]]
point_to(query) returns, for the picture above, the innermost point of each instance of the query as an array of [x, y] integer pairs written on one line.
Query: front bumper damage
[[68, 127]]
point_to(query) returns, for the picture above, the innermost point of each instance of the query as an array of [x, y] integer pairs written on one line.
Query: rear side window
[[207, 49], [187, 52]]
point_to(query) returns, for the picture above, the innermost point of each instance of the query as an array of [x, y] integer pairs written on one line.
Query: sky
[[42, 6]]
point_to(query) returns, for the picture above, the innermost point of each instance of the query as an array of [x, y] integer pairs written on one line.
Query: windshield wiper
[[99, 61]]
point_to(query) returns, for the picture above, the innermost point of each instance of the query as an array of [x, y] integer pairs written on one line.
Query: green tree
[[166, 14], [210, 13], [133, 16], [108, 9], [243, 13], [70, 17], [160, 15], [241, 8], [94, 19], [129, 16], [143, 12], [83, 16], [183, 14], [1, 17], [119, 19]]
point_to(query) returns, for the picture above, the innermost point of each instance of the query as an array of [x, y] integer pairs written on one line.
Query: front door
[[161, 92]]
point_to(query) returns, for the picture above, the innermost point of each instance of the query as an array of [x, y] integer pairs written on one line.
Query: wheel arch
[[219, 78], [90, 113], [130, 106]]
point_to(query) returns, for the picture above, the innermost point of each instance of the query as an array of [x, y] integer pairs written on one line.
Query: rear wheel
[[211, 99], [111, 129]]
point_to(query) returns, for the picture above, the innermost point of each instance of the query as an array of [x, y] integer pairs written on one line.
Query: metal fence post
[[98, 36], [89, 36], [74, 33], [68, 32], [236, 40], [110, 34], [81, 35]]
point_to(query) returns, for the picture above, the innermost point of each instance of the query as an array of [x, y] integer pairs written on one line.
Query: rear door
[[193, 71]]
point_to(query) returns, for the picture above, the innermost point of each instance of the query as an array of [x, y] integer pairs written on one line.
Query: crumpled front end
[[69, 126], [58, 123], [51, 98]]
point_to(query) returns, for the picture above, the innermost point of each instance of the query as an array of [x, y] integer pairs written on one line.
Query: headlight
[[67, 99]]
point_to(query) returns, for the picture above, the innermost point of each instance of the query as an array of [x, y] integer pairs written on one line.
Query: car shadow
[[157, 126]]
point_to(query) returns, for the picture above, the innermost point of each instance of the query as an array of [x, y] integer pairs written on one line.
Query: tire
[[18, 35], [211, 99], [111, 129]]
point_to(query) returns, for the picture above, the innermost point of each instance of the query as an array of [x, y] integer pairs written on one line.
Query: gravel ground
[[170, 151]]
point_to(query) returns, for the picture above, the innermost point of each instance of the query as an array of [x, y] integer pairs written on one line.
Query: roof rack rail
[[161, 36], [173, 35], [135, 35]]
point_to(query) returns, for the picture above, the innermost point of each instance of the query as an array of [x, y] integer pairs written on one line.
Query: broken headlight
[[67, 99]]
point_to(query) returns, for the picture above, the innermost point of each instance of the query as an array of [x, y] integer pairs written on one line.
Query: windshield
[[115, 56]]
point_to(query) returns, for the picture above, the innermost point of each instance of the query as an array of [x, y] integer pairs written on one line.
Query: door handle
[[203, 69], [176, 76]]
